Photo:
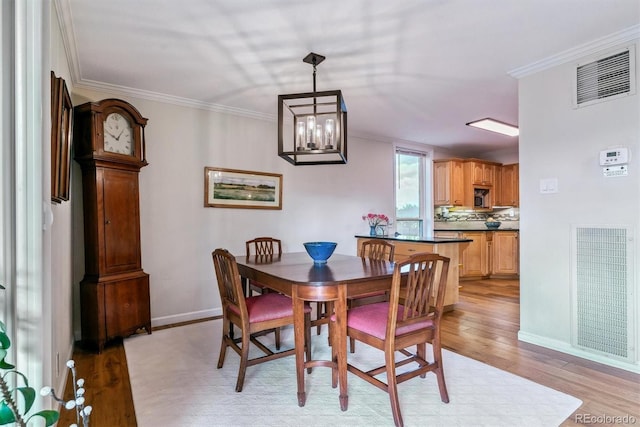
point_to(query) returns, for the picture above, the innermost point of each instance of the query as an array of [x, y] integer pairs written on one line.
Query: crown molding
[[607, 42], [65, 20], [171, 99]]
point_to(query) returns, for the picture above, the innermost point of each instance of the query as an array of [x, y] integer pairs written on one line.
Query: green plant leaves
[[50, 416], [6, 416], [29, 395]]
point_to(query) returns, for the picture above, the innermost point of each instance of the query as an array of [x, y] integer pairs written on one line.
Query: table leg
[[340, 344], [298, 329]]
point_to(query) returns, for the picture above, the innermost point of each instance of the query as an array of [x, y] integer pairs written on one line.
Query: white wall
[[558, 141], [61, 250], [323, 202]]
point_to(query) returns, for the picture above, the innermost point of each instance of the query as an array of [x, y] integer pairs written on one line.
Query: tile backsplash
[[449, 215]]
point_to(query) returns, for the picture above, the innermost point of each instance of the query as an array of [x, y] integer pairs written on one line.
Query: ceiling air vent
[[605, 78]]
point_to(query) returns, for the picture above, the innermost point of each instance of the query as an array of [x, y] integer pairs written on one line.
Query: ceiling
[[412, 70]]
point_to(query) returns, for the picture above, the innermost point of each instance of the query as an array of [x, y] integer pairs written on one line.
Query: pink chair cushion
[[372, 319], [268, 307]]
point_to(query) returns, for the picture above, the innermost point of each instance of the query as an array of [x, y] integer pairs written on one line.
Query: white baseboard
[[185, 317], [62, 381], [173, 319], [565, 347]]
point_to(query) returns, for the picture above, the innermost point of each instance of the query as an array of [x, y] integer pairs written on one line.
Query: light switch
[[548, 185]]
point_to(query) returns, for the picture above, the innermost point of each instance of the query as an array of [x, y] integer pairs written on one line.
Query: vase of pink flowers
[[375, 221]]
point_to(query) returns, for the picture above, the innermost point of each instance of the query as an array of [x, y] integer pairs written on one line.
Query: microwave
[[481, 198]]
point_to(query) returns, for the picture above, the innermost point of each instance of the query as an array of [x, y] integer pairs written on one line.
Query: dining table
[[342, 276]]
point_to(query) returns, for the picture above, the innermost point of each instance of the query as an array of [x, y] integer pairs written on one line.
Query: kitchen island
[[406, 246]]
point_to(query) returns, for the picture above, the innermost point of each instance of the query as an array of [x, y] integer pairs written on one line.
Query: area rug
[[175, 382]]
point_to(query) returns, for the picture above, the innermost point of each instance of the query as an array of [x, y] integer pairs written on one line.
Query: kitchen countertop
[[418, 239], [478, 229], [474, 226]]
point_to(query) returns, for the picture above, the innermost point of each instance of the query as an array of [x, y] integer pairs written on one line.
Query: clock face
[[118, 135]]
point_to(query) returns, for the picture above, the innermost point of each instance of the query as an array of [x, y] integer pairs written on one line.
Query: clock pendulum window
[[114, 293]]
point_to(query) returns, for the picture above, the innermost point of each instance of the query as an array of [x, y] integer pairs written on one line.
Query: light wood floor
[[483, 326]]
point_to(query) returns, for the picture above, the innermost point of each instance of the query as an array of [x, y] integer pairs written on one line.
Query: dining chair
[[420, 282], [251, 315], [373, 249], [261, 246]]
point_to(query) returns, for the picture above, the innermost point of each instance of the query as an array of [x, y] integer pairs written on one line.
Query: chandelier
[[312, 126]]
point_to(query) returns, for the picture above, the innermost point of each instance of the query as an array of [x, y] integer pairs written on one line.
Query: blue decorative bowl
[[492, 224], [320, 251]]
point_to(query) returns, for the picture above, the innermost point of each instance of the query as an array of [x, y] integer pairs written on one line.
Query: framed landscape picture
[[233, 188]]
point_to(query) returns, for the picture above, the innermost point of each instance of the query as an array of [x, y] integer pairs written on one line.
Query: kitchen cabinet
[[480, 172], [474, 183], [505, 250], [404, 249], [491, 254], [509, 193], [479, 181], [497, 188], [474, 258], [448, 183]]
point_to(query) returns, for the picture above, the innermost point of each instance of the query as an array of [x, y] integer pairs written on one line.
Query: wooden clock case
[[114, 293]]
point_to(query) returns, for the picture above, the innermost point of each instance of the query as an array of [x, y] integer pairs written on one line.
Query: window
[[413, 173]]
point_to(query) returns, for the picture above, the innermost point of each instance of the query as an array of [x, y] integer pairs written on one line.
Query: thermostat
[[614, 156]]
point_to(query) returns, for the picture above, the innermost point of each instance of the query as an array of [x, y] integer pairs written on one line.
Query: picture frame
[[234, 188], [61, 136]]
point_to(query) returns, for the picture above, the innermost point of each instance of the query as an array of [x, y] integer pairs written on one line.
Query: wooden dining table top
[[297, 268]]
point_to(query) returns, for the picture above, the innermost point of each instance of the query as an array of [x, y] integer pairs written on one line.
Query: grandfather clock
[[114, 293]]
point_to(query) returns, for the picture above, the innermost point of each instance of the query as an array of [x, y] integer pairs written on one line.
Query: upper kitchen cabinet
[[479, 188], [509, 182], [448, 182], [481, 172], [474, 183]]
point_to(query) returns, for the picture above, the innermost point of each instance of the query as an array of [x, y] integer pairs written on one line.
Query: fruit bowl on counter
[[492, 224]]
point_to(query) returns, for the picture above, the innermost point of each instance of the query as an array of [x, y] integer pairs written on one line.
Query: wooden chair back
[[377, 249], [413, 315], [265, 313], [264, 246], [421, 291], [229, 283]]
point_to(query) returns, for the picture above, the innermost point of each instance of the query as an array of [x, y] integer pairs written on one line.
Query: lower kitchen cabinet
[[475, 256], [505, 250], [491, 254]]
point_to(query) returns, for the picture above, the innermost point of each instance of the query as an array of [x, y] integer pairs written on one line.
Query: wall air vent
[[603, 292], [605, 78]]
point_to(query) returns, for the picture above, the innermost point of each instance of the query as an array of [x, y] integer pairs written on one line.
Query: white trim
[[7, 218], [608, 42], [564, 347], [65, 21], [170, 99], [427, 176], [33, 325], [185, 317]]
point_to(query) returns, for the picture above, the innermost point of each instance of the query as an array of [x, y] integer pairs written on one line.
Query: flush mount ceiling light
[[312, 126], [496, 126]]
